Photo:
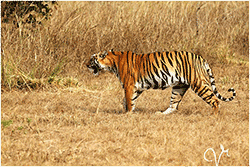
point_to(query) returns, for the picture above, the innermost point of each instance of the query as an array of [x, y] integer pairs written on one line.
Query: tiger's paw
[[168, 111]]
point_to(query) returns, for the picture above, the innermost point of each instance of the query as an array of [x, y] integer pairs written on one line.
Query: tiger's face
[[99, 62]]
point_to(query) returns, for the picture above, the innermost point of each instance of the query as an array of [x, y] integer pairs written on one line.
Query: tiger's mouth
[[94, 68]]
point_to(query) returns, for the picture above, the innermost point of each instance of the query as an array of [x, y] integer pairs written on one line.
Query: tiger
[[180, 70]]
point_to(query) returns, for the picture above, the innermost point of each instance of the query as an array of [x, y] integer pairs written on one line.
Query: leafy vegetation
[[6, 123], [25, 12]]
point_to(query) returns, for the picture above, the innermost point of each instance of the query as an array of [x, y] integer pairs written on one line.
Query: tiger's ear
[[112, 51], [103, 55]]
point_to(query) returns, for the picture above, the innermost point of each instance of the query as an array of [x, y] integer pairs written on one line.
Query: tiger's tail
[[212, 81]]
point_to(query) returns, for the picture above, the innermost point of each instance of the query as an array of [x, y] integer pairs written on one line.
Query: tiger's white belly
[[161, 83]]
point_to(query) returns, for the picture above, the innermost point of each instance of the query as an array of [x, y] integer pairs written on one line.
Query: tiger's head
[[100, 61]]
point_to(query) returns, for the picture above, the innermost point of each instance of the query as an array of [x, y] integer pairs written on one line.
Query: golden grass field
[[55, 112]]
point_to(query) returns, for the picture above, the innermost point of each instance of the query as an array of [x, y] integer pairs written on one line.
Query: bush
[[23, 12]]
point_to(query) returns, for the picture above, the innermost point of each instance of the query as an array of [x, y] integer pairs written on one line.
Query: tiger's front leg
[[131, 95]]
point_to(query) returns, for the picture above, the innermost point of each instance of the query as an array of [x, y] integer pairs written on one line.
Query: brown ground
[[65, 128], [81, 124]]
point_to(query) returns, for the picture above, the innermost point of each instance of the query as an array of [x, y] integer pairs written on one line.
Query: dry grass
[[58, 123]]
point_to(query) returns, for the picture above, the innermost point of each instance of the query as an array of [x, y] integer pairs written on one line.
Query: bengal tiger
[[160, 70]]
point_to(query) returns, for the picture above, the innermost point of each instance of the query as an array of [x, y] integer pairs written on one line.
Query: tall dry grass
[[217, 30]]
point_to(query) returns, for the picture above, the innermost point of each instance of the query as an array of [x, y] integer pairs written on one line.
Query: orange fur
[[160, 70]]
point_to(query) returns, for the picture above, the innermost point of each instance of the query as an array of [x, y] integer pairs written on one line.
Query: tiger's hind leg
[[178, 92], [207, 94]]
